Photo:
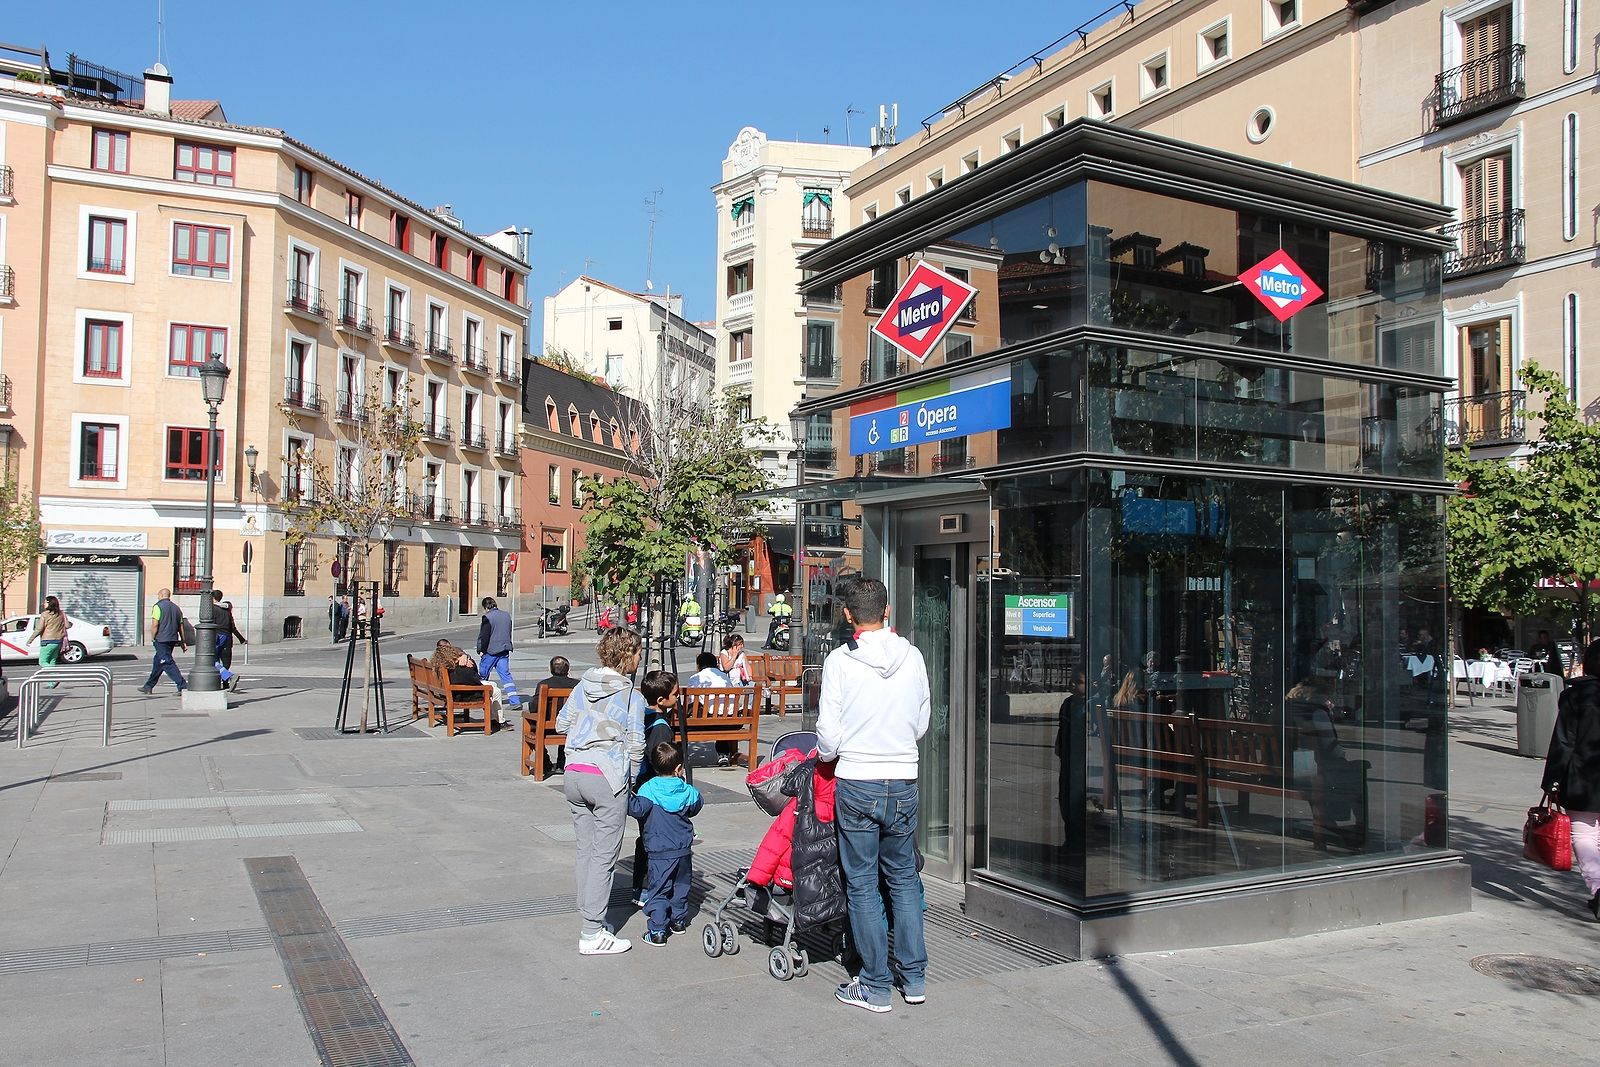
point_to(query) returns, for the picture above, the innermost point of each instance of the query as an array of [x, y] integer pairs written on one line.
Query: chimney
[[158, 91]]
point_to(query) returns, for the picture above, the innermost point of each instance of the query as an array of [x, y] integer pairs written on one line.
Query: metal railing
[[473, 514], [435, 429], [506, 444], [509, 371], [904, 462], [943, 463], [353, 316], [829, 296], [473, 359], [510, 519], [1486, 243], [294, 578], [474, 437], [821, 458], [816, 227], [28, 697], [8, 282], [439, 347], [5, 392], [6, 183], [877, 370], [106, 266], [820, 369], [400, 333], [1486, 419], [305, 299], [431, 508], [302, 394], [348, 408], [1484, 83]]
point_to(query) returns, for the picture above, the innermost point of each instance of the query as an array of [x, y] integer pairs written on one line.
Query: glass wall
[[1244, 689]]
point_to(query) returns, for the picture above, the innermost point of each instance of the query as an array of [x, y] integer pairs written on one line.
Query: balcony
[[356, 318], [878, 296], [741, 372], [8, 284], [347, 408], [740, 304], [828, 298], [821, 459], [878, 370], [1486, 419], [506, 444], [439, 349], [945, 463], [900, 461], [436, 429], [819, 368], [509, 372], [5, 394], [400, 334], [509, 519], [303, 395], [6, 184], [816, 226], [304, 300], [428, 507], [475, 438], [473, 359], [294, 578], [473, 514], [1478, 86], [1487, 243]]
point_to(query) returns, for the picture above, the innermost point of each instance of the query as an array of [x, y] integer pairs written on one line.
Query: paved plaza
[[192, 894]]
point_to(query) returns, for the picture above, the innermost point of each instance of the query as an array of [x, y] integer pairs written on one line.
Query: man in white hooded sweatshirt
[[874, 708]]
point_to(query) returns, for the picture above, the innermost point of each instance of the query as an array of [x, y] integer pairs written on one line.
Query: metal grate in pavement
[[329, 733], [87, 776], [347, 1024], [272, 800], [164, 835]]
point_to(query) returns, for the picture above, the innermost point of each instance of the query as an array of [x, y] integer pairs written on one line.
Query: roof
[[570, 390], [198, 110]]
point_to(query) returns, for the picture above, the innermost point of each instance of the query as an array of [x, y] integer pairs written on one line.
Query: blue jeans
[[501, 666], [877, 837], [163, 661], [667, 885]]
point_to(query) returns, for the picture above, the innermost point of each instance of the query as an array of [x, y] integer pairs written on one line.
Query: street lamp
[[797, 426], [251, 454], [204, 677]]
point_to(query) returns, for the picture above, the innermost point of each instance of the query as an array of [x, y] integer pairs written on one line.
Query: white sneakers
[[605, 943]]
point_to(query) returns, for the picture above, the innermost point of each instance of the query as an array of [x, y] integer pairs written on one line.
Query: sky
[[561, 118]]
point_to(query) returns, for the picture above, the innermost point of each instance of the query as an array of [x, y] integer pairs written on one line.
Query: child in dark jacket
[[664, 807], [660, 691]]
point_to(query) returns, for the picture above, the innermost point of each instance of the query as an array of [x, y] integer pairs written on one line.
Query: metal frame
[[28, 697]]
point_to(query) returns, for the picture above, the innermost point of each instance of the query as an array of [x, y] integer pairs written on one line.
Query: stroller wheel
[[711, 941], [779, 964], [802, 963], [730, 937]]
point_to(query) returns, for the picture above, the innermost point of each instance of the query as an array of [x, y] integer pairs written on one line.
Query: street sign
[[932, 411], [1281, 284], [923, 311], [249, 554], [511, 563], [1038, 615]]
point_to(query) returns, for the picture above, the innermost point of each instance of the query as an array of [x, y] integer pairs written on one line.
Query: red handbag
[[1547, 836]]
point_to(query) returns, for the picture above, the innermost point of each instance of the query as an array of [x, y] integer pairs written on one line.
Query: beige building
[[144, 234], [639, 342]]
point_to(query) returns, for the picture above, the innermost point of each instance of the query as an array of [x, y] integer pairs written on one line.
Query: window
[[1570, 41], [969, 162], [296, 473], [1214, 44], [970, 312], [1154, 77], [577, 488], [739, 346], [744, 211], [508, 285], [400, 231], [1487, 367], [98, 444], [438, 339], [102, 349], [187, 564], [295, 566], [820, 362], [1054, 120], [200, 251], [1011, 141], [816, 212], [746, 411], [303, 180], [869, 213], [594, 428], [613, 324], [885, 281], [475, 269], [108, 242], [394, 568], [433, 563], [1569, 342], [957, 346], [351, 311], [189, 347], [1569, 176], [203, 164], [441, 251], [394, 386], [186, 454], [344, 472], [902, 197], [398, 327], [741, 278], [1485, 193], [110, 151], [352, 209], [553, 555], [935, 179], [300, 373], [1259, 126], [574, 424], [1279, 15], [1102, 100], [555, 484]]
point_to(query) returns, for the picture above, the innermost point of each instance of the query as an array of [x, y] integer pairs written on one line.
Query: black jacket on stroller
[[818, 878]]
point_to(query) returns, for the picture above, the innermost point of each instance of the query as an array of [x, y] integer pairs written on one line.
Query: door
[[467, 580]]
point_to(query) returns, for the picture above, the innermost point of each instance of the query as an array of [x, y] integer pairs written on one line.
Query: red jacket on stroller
[[774, 857]]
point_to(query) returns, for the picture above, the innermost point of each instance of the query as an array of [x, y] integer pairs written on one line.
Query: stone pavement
[[154, 912]]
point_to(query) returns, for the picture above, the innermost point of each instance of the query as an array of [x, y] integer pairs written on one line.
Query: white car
[[84, 639]]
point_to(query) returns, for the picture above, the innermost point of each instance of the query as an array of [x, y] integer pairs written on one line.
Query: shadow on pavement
[[1152, 1018], [1498, 869], [236, 735]]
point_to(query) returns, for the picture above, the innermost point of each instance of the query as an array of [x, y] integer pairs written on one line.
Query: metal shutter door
[[108, 596]]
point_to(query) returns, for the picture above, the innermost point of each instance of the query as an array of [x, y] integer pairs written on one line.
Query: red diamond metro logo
[[1280, 284], [923, 311]]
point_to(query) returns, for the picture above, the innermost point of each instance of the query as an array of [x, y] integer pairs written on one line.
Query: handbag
[[1547, 836]]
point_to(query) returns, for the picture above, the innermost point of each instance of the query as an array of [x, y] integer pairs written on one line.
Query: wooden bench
[[539, 729], [708, 714], [444, 702], [783, 680]]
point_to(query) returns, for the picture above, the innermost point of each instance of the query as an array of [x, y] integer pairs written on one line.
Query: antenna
[[850, 109], [161, 31], [652, 205], [884, 133]]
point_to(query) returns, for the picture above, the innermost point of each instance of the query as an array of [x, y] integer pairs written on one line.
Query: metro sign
[[923, 311], [1280, 284]]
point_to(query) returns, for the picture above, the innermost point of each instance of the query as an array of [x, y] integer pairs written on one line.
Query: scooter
[[690, 633], [553, 621], [779, 637]]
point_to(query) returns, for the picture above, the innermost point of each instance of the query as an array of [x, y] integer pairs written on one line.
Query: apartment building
[[147, 234], [640, 343]]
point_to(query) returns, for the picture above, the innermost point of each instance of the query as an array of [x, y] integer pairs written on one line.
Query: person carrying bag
[[1572, 780]]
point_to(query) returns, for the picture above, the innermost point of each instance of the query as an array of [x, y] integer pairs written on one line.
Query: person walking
[[227, 636], [338, 617], [51, 630], [874, 708], [494, 654], [603, 720], [166, 627], [1572, 768]]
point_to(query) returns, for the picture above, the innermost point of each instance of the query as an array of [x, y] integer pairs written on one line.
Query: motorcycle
[[689, 633], [778, 639], [553, 621]]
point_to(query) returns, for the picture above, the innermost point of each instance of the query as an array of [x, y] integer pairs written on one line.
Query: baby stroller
[[779, 787]]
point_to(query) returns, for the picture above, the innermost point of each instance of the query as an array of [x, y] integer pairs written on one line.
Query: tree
[[21, 536], [697, 464], [360, 496], [564, 361], [1517, 523]]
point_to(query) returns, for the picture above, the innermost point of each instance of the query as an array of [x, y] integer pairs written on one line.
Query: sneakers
[[678, 926], [855, 994], [147, 691], [913, 996], [655, 938], [722, 760], [605, 943], [638, 899], [1594, 905], [233, 683]]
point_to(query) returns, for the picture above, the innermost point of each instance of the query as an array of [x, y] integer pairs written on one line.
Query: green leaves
[[21, 535]]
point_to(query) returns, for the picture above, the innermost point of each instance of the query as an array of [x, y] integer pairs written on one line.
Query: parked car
[[84, 639]]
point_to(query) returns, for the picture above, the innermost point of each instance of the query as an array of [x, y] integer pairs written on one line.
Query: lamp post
[[204, 677], [797, 426], [251, 454]]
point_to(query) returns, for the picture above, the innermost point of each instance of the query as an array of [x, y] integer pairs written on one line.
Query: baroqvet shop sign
[[97, 540], [1281, 284], [923, 311]]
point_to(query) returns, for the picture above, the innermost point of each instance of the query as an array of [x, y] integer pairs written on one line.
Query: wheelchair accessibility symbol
[[873, 437]]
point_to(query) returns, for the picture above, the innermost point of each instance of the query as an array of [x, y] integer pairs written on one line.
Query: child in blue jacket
[[664, 805], [660, 689]]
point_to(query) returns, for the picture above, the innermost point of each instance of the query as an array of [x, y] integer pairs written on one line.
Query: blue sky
[[561, 118]]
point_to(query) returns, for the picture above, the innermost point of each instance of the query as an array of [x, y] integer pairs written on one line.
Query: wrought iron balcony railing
[[347, 408], [8, 282], [304, 299], [474, 437], [506, 444], [1486, 419], [428, 507], [5, 392], [1486, 243], [439, 348], [509, 371], [6, 185], [902, 461], [510, 518], [355, 317], [830, 296], [298, 393], [400, 333], [472, 359], [1485, 83], [436, 429], [819, 368], [943, 463], [878, 370]]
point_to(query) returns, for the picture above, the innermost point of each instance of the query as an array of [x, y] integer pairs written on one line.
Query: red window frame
[[202, 164], [189, 346], [108, 245], [475, 268], [104, 434], [201, 251], [441, 251], [508, 286], [108, 334], [400, 231], [186, 454], [352, 209], [114, 143], [186, 549]]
